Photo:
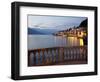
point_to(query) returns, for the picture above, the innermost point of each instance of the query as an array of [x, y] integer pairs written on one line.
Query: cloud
[[53, 22]]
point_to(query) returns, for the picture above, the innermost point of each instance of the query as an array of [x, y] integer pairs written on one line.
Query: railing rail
[[56, 55]]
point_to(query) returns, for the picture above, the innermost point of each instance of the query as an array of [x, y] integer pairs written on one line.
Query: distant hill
[[84, 23], [32, 31], [41, 31]]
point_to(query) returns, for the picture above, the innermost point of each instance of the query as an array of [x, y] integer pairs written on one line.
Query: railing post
[[55, 55], [29, 58], [43, 57], [34, 57], [38, 57], [50, 56]]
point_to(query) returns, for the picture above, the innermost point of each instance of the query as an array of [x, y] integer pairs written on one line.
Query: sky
[[53, 22]]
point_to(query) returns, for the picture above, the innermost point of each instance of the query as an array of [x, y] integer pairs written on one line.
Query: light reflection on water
[[46, 41], [81, 42]]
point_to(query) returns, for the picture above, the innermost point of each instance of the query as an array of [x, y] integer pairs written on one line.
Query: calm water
[[46, 41]]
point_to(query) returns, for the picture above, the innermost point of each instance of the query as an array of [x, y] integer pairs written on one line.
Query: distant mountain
[[41, 31], [32, 31]]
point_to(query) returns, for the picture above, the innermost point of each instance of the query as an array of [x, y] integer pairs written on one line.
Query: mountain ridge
[[41, 31]]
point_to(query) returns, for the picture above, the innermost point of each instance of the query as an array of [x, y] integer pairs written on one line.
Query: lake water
[[47, 41]]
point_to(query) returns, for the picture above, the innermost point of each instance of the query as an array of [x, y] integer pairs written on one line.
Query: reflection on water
[[46, 41], [73, 41], [81, 42]]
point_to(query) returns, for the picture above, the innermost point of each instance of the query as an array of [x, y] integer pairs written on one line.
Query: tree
[[84, 23]]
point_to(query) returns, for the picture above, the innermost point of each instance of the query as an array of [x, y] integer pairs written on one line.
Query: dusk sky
[[53, 22]]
